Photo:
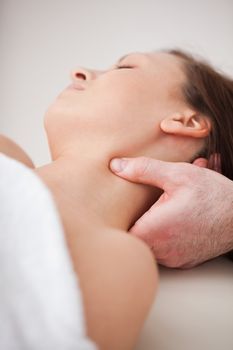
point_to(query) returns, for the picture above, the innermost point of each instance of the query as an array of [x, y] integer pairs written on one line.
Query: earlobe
[[188, 123]]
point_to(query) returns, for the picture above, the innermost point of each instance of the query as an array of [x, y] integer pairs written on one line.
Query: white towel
[[40, 300]]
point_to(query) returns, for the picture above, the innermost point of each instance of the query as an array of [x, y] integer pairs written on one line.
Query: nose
[[80, 73]]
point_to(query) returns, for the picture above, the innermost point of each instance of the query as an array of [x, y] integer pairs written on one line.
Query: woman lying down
[[165, 105]]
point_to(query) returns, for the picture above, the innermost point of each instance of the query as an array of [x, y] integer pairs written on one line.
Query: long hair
[[211, 93]]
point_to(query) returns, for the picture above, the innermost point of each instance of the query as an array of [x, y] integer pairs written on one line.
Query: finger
[[146, 225], [146, 170], [201, 162], [215, 162], [151, 225]]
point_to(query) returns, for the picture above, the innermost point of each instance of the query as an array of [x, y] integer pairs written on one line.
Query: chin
[[57, 110], [53, 116]]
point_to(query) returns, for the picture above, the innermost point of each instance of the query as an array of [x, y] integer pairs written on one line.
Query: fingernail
[[118, 165]]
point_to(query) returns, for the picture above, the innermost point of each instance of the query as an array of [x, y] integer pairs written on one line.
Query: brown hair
[[211, 93]]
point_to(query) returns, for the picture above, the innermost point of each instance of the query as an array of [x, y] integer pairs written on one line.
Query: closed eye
[[124, 67]]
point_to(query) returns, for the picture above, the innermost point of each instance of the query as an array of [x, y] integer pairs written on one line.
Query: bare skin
[[117, 273], [192, 221], [135, 109], [12, 150]]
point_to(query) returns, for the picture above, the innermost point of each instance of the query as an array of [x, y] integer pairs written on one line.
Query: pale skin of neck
[[117, 272], [89, 195]]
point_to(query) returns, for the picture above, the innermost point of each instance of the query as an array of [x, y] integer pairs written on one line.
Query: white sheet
[[40, 300]]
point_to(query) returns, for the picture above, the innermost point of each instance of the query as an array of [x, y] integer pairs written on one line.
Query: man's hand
[[193, 219]]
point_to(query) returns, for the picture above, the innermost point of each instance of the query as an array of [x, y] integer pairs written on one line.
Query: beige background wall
[[40, 41]]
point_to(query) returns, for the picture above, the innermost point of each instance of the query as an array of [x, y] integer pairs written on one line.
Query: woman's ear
[[187, 123]]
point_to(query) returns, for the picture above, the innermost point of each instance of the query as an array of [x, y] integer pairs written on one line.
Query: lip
[[75, 86]]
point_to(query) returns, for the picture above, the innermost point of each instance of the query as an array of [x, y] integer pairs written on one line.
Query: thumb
[[201, 162], [145, 170]]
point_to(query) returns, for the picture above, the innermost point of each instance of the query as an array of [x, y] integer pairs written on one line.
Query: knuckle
[[172, 263], [187, 174], [142, 230], [187, 266], [169, 257]]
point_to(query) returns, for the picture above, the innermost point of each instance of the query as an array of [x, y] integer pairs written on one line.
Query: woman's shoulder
[[13, 150], [131, 247]]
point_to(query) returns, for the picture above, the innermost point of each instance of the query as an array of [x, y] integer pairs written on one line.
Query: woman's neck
[[88, 195]]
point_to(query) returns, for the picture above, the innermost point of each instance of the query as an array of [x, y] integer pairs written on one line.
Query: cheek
[[67, 109], [127, 112], [120, 102]]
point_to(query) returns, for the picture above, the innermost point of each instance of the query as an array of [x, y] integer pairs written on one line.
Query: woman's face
[[123, 104]]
